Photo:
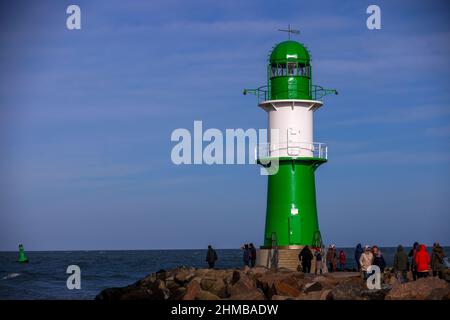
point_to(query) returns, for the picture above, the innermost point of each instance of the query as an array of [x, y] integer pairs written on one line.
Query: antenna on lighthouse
[[289, 31]]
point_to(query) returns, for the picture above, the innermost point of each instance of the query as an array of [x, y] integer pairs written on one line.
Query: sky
[[86, 118]]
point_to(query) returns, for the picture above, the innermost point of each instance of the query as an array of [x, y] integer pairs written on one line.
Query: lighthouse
[[290, 100]]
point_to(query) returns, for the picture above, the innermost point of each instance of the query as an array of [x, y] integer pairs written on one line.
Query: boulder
[[206, 295], [178, 293], [192, 289], [317, 295], [278, 297], [214, 285], [350, 289], [312, 286], [242, 285], [251, 294], [422, 289], [155, 290], [268, 280], [183, 276], [281, 288]]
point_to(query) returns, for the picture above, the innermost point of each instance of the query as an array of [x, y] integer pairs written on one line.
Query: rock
[[326, 295], [258, 270], [178, 293], [206, 295], [183, 276], [252, 294], [422, 289], [350, 289], [278, 297], [375, 294], [151, 291], [192, 289], [266, 281], [215, 286], [242, 285], [159, 291], [284, 289], [312, 286]]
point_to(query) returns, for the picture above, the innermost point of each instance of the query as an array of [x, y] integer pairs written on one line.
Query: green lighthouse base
[[291, 218]]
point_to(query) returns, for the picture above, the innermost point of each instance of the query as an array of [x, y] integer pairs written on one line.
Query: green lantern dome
[[289, 51]]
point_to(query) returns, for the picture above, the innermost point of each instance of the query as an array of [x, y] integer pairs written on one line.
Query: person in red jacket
[[422, 260], [342, 259]]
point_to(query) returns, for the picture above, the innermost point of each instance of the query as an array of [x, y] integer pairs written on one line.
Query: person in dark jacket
[[358, 252], [400, 266], [412, 255], [378, 258], [305, 256], [246, 255], [252, 255], [437, 260], [211, 257]]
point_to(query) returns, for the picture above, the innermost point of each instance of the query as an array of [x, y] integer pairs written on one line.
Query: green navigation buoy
[[22, 257]]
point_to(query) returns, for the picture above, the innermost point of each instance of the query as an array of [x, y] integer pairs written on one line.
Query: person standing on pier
[[365, 261], [422, 261], [252, 255], [246, 255], [342, 260], [318, 256], [437, 260], [211, 257], [400, 264], [331, 258], [412, 255], [378, 258], [305, 256], [358, 252]]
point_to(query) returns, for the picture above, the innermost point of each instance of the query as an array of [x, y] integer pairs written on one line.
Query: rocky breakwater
[[259, 283]]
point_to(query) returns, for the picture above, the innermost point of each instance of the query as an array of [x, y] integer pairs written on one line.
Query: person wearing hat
[[366, 260], [331, 258]]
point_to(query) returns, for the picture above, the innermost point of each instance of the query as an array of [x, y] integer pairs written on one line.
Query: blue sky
[[86, 118]]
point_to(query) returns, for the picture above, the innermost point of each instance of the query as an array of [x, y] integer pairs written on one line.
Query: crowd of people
[[417, 261]]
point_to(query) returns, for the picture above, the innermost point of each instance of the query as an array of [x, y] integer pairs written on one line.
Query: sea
[[45, 277]]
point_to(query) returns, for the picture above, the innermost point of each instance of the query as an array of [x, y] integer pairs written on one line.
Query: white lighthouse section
[[291, 127]]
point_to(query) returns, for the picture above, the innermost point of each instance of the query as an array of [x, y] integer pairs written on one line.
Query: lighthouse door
[[294, 229]]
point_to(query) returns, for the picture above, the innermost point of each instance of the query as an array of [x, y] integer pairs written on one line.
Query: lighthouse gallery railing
[[262, 93], [292, 149]]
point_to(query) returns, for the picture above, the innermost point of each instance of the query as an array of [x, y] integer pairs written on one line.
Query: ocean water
[[44, 277]]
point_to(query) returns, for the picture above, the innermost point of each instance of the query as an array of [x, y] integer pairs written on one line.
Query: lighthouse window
[[290, 69], [292, 66]]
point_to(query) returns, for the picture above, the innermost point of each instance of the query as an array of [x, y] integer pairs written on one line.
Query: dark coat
[[211, 255], [252, 253], [400, 260], [305, 255], [358, 252], [437, 258], [378, 260], [247, 255]]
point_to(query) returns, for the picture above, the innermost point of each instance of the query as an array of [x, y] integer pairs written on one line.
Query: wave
[[10, 276]]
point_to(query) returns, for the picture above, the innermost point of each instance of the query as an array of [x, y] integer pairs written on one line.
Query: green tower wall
[[293, 186]]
